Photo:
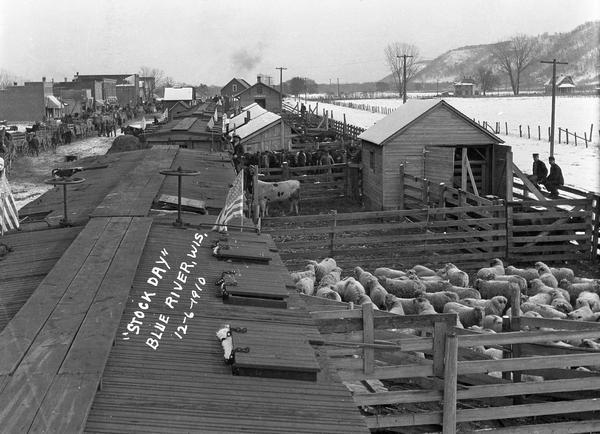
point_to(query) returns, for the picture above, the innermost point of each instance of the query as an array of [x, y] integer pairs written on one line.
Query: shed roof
[[178, 94], [406, 115], [240, 119], [53, 102], [256, 124]]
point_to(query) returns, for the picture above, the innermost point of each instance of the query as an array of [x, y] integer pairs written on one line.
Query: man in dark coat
[[554, 179], [539, 170]]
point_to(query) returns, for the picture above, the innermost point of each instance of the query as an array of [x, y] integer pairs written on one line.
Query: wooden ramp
[[134, 194], [53, 352]]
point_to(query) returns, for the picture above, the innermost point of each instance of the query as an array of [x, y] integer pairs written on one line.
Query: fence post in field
[[528, 132], [575, 134], [591, 131], [506, 128], [567, 134], [442, 199], [368, 338], [332, 234], [401, 198], [345, 129], [585, 138], [450, 378], [520, 131], [440, 331]]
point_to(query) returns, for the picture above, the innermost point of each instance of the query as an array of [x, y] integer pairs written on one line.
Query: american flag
[[234, 204], [9, 216]]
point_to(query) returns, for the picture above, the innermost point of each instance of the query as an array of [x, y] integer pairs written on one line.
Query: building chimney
[[15, 83], [65, 79], [44, 79], [258, 79], [52, 79], [248, 116]]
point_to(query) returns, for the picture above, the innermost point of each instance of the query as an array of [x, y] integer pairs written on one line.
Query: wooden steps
[[55, 349]]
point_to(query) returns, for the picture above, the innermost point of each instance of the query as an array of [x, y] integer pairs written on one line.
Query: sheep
[[560, 302], [404, 288], [306, 285], [329, 293], [407, 304], [546, 275], [532, 314], [563, 273], [491, 288], [588, 298], [394, 304], [492, 353], [365, 278], [468, 316], [422, 271], [584, 280], [323, 267], [526, 273], [493, 322], [514, 279], [349, 289], [543, 309], [331, 278], [494, 306], [436, 285], [541, 298], [377, 294], [389, 272], [309, 272], [536, 286], [423, 306], [366, 299], [496, 268], [464, 292], [574, 289], [439, 299], [454, 275], [590, 343], [584, 313]]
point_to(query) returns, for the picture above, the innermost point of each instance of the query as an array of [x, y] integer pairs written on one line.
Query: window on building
[[372, 160], [259, 90], [234, 87]]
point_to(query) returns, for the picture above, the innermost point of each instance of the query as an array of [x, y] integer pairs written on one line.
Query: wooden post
[[575, 134], [332, 234], [506, 128], [528, 132], [589, 224], [585, 138], [425, 192], [520, 131], [539, 133], [509, 176], [440, 331], [548, 133], [401, 198], [450, 378], [368, 338], [559, 135], [442, 200], [596, 230], [285, 171], [515, 326], [256, 207], [463, 170], [345, 130], [567, 134], [591, 131]]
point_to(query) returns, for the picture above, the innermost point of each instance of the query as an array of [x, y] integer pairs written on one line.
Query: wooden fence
[[448, 381], [539, 133], [319, 182]]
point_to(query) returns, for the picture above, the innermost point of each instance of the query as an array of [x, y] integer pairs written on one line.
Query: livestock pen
[[438, 382]]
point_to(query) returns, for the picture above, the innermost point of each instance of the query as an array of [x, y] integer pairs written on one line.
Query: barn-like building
[[261, 93], [260, 130], [432, 140]]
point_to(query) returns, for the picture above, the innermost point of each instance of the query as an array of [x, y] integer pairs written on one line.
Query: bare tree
[[392, 53], [514, 56], [7, 78], [157, 74], [487, 79]]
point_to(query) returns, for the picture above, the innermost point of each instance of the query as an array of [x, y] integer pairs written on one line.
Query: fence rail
[[363, 344]]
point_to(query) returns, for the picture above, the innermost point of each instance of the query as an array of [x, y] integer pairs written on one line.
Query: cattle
[[272, 192]]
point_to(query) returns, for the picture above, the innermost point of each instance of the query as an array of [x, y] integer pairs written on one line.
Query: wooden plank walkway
[[134, 194], [55, 349], [33, 255], [170, 375]]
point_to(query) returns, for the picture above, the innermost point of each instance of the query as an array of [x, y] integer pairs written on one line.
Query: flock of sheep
[[544, 292]]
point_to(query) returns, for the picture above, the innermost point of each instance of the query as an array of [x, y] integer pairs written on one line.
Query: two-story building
[[235, 86], [264, 95]]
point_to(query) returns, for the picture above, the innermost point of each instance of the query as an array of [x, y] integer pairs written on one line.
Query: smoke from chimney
[[246, 59]]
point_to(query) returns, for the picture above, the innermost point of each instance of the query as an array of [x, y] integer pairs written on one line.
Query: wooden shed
[[433, 140], [265, 132], [262, 94]]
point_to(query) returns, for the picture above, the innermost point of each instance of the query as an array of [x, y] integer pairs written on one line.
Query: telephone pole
[[404, 56], [281, 69], [338, 83], [554, 63]]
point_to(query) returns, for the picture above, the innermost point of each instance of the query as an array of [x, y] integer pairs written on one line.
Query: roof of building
[[272, 89], [53, 102], [255, 125], [240, 119], [405, 115], [178, 94]]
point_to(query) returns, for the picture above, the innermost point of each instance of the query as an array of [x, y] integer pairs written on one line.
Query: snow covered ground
[[27, 175], [580, 165]]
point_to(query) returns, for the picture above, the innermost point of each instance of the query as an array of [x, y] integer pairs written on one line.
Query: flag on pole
[[215, 116], [9, 216], [143, 123], [234, 204]]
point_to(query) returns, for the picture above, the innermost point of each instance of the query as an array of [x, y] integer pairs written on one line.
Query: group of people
[[540, 175]]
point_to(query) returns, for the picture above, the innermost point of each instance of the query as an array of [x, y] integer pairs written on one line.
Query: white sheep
[[544, 310], [494, 306], [403, 288], [454, 275], [439, 299], [323, 267], [584, 313], [467, 315], [423, 307], [350, 290], [563, 273], [389, 272], [546, 275], [588, 298], [309, 272], [422, 271], [496, 268], [493, 322], [329, 293], [331, 278], [306, 285], [527, 273]]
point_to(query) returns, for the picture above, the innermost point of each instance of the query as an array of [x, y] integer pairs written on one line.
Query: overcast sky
[[198, 41]]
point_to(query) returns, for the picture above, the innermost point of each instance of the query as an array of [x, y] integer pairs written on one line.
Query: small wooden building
[[465, 87], [235, 86], [433, 140], [265, 132], [564, 85], [264, 95]]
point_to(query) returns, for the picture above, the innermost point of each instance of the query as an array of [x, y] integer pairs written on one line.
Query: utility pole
[[338, 82], [281, 68], [404, 56], [554, 63]]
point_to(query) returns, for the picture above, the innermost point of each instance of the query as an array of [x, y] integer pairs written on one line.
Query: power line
[[554, 63]]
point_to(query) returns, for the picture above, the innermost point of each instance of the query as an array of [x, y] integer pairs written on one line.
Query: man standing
[[539, 170], [555, 179]]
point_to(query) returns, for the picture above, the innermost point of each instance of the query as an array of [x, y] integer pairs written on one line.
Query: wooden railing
[[363, 344]]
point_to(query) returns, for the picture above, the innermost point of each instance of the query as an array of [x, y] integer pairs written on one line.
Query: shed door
[[439, 164]]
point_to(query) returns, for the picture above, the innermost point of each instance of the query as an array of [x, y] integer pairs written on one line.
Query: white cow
[[270, 192]]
